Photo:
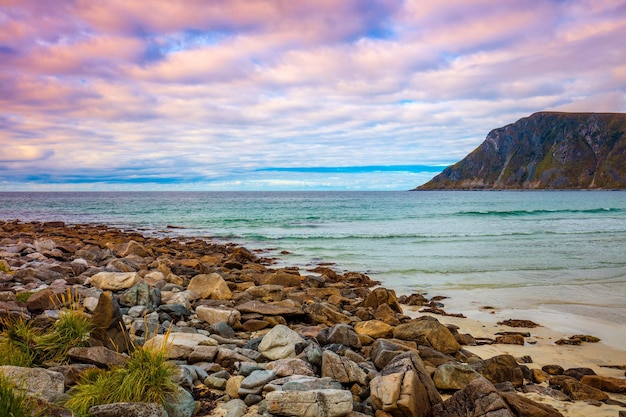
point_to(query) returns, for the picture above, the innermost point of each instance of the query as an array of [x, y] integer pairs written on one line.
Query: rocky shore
[[248, 338]]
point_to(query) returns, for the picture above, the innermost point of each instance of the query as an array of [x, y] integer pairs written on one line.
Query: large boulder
[[576, 390], [525, 407], [478, 399], [280, 343], [430, 333], [404, 388], [314, 403]]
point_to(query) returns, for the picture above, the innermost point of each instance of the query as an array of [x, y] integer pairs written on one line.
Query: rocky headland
[[547, 150], [251, 339]]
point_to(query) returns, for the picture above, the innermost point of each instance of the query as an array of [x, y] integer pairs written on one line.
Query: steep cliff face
[[545, 151]]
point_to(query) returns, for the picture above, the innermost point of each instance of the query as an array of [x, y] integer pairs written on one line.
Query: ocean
[[557, 256]]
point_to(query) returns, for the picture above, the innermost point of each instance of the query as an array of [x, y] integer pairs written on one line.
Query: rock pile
[[257, 339]]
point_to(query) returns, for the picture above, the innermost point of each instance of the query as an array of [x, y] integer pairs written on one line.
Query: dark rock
[[578, 373], [343, 334], [109, 330], [501, 368], [605, 383], [525, 407], [478, 399], [97, 355]]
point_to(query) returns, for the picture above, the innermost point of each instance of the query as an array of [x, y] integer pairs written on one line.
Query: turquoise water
[[563, 251]]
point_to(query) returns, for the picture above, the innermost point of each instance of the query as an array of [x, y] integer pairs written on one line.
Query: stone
[[281, 278], [383, 351], [387, 315], [325, 313], [97, 355], [214, 315], [139, 294], [36, 382], [291, 366], [279, 343], [373, 328], [307, 384], [114, 281], [253, 325], [203, 353], [478, 399], [605, 383], [510, 339], [179, 403], [258, 379], [72, 372], [211, 286], [579, 373], [215, 382], [576, 390], [269, 309], [235, 408], [180, 345], [380, 296], [539, 375], [108, 325], [128, 410], [404, 388], [342, 369], [454, 376], [342, 334], [315, 403], [523, 406], [430, 333], [553, 369], [43, 300], [233, 384], [501, 368]]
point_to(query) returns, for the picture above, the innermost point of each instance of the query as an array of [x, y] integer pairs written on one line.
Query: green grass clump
[[13, 402], [24, 344], [146, 377], [23, 296]]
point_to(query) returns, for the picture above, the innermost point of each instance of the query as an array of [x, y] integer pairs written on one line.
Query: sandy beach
[[602, 357]]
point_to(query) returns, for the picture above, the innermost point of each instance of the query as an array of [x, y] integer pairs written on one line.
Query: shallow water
[[562, 251]]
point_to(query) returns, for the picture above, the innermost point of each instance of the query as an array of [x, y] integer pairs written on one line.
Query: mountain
[[546, 150]]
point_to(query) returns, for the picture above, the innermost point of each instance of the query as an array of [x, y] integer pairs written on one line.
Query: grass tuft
[[146, 377]]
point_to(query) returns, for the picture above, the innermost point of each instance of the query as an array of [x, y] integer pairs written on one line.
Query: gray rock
[[97, 355], [180, 403], [279, 343], [235, 408], [342, 369], [339, 333], [291, 366], [258, 379], [316, 403], [128, 410], [308, 384], [37, 382], [478, 399]]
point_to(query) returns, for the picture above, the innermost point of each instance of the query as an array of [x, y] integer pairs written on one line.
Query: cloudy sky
[[286, 94]]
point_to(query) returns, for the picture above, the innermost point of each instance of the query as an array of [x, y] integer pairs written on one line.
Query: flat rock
[[128, 410], [180, 345], [268, 309], [97, 355], [605, 383], [374, 328], [114, 281], [315, 403]]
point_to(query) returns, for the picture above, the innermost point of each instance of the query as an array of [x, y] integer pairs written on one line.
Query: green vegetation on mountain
[[547, 150]]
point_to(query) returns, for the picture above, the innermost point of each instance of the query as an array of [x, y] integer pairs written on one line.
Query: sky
[[286, 94]]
